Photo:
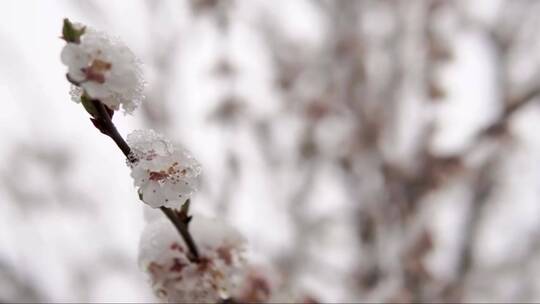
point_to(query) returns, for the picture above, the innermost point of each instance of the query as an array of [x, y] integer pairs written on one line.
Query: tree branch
[[512, 106], [104, 124], [180, 219]]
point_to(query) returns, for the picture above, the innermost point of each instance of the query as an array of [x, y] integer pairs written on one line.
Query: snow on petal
[[106, 69], [166, 175], [162, 255]]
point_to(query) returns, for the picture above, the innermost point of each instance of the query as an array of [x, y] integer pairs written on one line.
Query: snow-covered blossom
[[166, 175], [174, 278], [105, 68]]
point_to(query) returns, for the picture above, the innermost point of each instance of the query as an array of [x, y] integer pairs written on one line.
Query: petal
[[73, 55], [95, 90], [75, 73], [174, 204], [153, 194], [187, 185], [172, 192], [139, 175]]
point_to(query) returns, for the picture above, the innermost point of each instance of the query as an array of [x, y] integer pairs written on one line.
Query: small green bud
[[70, 33], [140, 194], [89, 105], [185, 207]]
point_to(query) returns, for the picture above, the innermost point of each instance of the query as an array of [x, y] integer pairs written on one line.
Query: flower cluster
[[174, 278], [211, 269], [166, 175], [104, 68]]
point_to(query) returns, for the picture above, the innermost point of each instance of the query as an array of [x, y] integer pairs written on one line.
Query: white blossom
[[166, 175], [174, 278], [106, 69]]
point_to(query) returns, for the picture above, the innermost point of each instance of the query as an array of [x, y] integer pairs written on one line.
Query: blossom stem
[[180, 219], [181, 223], [107, 127]]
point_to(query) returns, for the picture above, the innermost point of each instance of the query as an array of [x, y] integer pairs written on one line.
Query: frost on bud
[[162, 254], [103, 67], [166, 175]]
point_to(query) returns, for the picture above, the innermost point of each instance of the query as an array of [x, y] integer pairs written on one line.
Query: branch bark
[[181, 220]]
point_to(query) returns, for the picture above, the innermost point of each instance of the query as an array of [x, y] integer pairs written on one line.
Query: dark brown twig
[[181, 221], [104, 124]]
